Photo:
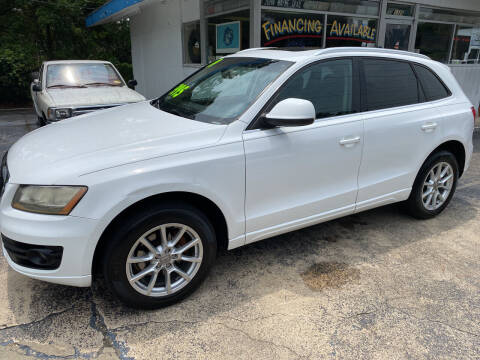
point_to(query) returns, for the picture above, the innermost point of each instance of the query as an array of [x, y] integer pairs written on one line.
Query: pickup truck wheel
[[41, 121], [434, 186], [160, 256]]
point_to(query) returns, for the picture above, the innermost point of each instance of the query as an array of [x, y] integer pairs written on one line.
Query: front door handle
[[430, 126], [349, 142]]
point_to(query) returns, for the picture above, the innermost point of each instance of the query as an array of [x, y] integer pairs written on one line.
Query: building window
[[360, 7], [449, 16], [466, 43], [191, 43], [292, 30], [399, 10], [434, 40], [348, 31], [228, 33]]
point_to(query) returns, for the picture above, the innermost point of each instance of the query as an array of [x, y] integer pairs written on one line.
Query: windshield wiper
[[66, 85], [100, 83]]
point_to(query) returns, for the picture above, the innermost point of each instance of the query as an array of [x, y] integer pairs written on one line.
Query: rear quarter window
[[432, 86]]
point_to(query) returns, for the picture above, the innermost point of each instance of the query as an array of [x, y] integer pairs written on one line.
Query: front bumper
[[76, 235]]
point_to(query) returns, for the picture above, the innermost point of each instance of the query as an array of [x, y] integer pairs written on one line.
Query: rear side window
[[389, 84], [432, 86]]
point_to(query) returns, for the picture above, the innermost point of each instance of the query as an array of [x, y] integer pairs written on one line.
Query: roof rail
[[260, 48], [370, 49]]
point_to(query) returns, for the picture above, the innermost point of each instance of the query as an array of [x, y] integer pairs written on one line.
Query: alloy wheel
[[437, 186], [164, 260]]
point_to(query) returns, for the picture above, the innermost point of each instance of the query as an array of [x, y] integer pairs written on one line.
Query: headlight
[[53, 200], [59, 114]]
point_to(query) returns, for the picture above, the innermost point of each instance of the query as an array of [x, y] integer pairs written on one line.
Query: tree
[[32, 31]]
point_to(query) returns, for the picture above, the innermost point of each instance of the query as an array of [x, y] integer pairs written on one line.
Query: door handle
[[349, 142], [429, 126]]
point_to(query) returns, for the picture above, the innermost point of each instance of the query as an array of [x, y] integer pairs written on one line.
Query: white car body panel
[[265, 182]]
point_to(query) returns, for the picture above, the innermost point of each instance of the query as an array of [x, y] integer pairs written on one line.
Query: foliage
[[32, 31]]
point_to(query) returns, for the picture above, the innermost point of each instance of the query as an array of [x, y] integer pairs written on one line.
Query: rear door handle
[[429, 126], [349, 142]]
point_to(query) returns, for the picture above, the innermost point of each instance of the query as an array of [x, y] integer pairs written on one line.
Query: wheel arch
[[207, 206], [457, 149]]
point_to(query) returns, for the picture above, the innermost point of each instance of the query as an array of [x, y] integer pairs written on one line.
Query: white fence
[[468, 76]]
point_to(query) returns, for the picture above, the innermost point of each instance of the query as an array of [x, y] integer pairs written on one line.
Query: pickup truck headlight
[[55, 114], [51, 200]]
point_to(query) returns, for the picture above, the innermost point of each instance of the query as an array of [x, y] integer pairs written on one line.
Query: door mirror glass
[[291, 112]]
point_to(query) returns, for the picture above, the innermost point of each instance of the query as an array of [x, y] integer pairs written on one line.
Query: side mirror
[[132, 83], [291, 112], [36, 86], [35, 75]]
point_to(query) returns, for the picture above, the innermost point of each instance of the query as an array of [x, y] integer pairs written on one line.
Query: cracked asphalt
[[376, 285]]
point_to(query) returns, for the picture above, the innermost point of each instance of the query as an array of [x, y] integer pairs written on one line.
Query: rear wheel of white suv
[[159, 256], [434, 186]]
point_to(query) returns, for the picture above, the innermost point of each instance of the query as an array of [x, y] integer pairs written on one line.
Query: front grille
[[87, 109], [33, 256], [4, 174]]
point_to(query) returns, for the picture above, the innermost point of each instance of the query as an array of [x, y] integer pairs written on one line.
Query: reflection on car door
[[302, 175]]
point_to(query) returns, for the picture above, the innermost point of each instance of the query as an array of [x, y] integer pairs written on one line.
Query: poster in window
[[228, 37], [292, 30]]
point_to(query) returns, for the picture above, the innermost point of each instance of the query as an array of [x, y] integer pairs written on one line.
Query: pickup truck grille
[[87, 109]]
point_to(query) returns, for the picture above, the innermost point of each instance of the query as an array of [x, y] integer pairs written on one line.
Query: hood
[[93, 95], [107, 138]]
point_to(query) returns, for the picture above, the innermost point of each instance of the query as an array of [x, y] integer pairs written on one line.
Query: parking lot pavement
[[376, 285]]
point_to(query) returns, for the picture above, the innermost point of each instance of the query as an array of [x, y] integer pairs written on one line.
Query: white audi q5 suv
[[253, 145]]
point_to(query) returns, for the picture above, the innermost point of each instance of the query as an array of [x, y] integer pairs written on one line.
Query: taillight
[[474, 113]]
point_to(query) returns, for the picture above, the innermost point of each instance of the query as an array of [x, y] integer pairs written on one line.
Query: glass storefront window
[[397, 36], [292, 30], [219, 6], [362, 7], [191, 43], [449, 16], [433, 40], [348, 31], [466, 44], [399, 9], [231, 37]]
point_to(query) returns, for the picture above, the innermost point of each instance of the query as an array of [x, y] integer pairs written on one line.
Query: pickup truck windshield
[[82, 75], [223, 90]]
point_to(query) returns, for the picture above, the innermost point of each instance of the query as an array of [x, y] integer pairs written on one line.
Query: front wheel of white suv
[[434, 186], [159, 256]]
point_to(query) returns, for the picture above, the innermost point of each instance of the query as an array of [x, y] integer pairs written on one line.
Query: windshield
[[223, 90], [82, 75]]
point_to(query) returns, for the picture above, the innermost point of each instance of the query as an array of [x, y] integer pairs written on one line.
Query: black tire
[[124, 238], [414, 204], [41, 121]]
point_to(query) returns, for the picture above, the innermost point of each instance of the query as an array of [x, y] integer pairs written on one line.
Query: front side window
[[223, 90], [432, 86], [328, 85], [389, 84], [82, 74]]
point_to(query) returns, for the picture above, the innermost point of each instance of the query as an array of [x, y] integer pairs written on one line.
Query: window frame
[[256, 123], [184, 49]]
